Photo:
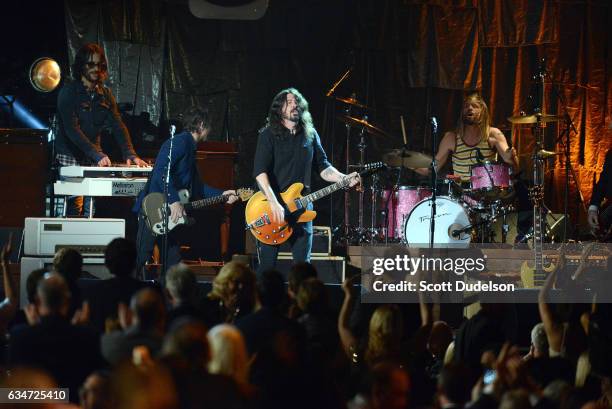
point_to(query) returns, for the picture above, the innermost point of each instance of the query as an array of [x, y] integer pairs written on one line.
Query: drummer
[[473, 142]]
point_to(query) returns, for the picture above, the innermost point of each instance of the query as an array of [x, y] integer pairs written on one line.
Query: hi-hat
[[45, 74], [407, 159], [541, 154], [368, 127], [532, 119], [352, 101]]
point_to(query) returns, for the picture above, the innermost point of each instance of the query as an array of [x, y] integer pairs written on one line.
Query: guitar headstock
[[372, 167], [245, 193], [536, 194]]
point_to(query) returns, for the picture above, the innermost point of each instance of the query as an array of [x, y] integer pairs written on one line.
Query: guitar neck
[[537, 243], [321, 193], [198, 204]]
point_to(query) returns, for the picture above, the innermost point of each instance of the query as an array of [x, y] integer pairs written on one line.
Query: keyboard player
[[85, 108]]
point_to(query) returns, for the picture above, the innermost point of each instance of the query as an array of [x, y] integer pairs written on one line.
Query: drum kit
[[466, 210], [478, 209], [453, 210]]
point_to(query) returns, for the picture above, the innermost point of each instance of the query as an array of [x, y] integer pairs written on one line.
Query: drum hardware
[[407, 159], [452, 215], [359, 234], [399, 202], [364, 124], [542, 154], [533, 119], [352, 101], [491, 181], [434, 179]]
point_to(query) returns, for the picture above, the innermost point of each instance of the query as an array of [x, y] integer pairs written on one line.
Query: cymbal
[[407, 159], [371, 129], [532, 119], [542, 154], [351, 101]]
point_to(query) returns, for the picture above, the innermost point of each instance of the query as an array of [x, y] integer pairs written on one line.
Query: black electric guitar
[[154, 204]]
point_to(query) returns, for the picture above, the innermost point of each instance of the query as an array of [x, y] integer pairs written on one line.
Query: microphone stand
[[54, 173], [434, 177], [166, 209], [569, 127]]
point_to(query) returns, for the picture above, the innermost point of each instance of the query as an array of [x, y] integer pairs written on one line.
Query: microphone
[[434, 125], [479, 156], [457, 233]]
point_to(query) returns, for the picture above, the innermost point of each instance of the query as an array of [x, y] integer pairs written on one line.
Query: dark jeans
[[301, 246], [146, 240]]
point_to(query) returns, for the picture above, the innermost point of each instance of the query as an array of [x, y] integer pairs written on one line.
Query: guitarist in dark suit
[[601, 192], [183, 175], [288, 147]]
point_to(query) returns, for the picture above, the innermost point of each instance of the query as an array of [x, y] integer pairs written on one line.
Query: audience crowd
[[279, 341]]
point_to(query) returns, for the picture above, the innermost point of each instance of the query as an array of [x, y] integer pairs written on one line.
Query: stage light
[[252, 10], [45, 74], [21, 113]]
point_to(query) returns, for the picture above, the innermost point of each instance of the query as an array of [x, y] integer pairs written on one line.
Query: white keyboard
[[131, 171], [100, 186]]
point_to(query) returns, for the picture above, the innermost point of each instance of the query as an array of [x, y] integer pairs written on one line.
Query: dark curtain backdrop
[[410, 58]]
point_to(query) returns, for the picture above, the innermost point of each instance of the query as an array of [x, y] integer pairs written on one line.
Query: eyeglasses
[[91, 64]]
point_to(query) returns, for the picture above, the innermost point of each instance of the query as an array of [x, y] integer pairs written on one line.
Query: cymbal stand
[[569, 168], [347, 154], [374, 192], [362, 147]]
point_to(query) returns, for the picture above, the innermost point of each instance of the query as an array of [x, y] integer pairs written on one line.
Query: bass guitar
[[257, 213], [154, 207]]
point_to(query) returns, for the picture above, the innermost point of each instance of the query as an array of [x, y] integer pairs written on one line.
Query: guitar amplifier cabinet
[[92, 265], [24, 171], [43, 236]]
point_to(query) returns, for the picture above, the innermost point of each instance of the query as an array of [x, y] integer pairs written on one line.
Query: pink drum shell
[[500, 174], [401, 204]]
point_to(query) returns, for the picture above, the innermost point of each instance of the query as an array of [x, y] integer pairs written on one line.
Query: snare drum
[[450, 216], [398, 207], [491, 180]]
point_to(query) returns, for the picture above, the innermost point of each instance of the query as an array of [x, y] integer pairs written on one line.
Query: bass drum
[[450, 216]]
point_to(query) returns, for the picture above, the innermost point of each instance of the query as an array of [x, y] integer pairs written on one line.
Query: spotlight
[[45, 74], [21, 112]]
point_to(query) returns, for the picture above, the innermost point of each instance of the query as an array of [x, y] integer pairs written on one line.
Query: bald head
[[53, 294]]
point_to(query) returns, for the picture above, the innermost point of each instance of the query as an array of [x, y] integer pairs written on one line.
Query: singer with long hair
[[288, 149]]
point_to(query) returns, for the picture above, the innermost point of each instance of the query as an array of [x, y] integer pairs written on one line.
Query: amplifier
[[94, 266], [44, 236], [321, 242]]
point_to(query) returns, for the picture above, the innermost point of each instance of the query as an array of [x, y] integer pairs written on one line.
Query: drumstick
[[403, 130]]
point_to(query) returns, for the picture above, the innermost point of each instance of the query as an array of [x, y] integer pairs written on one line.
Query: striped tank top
[[464, 156]]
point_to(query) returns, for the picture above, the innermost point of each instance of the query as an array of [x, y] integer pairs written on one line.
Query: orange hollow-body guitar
[[257, 213]]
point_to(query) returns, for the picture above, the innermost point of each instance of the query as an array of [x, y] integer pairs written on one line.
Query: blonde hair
[[232, 272], [485, 121], [384, 334], [228, 353]]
